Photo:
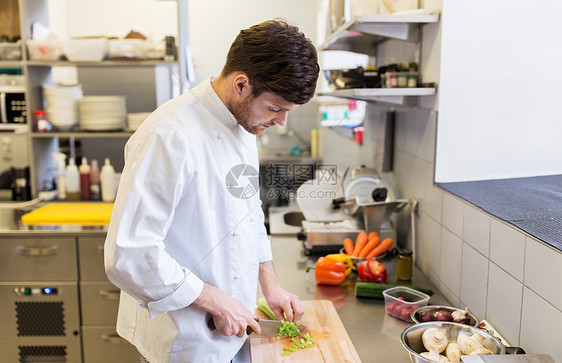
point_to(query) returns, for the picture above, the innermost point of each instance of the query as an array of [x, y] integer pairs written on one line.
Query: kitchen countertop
[[533, 204], [11, 225], [375, 335]]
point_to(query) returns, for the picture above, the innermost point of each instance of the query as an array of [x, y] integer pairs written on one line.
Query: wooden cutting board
[[70, 213], [322, 322]]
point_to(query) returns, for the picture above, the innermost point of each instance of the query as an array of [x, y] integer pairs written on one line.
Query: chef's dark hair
[[277, 58]]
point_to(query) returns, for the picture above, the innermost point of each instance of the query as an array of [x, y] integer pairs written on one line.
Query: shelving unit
[[364, 34], [401, 96], [41, 145]]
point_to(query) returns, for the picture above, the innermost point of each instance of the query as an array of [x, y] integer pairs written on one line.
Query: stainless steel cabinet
[[102, 344], [38, 259], [99, 304]]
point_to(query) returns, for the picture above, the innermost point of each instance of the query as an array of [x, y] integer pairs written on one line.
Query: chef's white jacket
[[175, 224]]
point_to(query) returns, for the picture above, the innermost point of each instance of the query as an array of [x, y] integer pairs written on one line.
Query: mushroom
[[453, 353], [434, 356], [468, 344], [479, 338], [481, 351], [434, 340]]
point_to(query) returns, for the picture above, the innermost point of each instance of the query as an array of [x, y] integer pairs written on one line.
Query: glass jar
[[402, 79], [412, 80], [404, 265]]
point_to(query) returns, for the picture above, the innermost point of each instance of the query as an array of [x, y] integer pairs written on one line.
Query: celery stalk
[[264, 307]]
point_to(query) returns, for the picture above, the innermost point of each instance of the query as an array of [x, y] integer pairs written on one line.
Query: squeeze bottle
[[61, 174], [314, 142], [95, 187], [72, 181], [84, 179], [107, 178]]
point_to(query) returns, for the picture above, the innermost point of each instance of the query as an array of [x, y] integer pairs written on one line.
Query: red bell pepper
[[328, 271], [371, 270]]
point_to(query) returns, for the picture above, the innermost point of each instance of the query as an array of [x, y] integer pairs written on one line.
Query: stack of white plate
[[134, 120], [62, 105], [102, 113]]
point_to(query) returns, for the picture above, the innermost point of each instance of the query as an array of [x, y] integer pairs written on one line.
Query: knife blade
[[269, 328]]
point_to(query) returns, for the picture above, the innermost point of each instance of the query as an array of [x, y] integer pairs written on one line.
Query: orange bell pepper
[[345, 259], [328, 271]]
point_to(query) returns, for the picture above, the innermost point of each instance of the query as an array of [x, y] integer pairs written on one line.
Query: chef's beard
[[243, 114]]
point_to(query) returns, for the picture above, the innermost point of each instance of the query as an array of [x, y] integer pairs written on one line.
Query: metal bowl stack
[[411, 338]]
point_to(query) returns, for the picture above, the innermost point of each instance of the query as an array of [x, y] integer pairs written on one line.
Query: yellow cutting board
[[70, 213]]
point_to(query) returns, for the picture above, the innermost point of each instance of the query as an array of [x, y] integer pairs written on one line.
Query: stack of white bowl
[[62, 105], [134, 120], [102, 113]]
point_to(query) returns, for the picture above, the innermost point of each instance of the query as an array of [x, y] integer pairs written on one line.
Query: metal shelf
[[11, 63], [362, 33], [82, 134], [395, 96], [106, 63]]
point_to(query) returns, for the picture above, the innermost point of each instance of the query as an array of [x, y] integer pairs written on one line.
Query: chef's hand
[[230, 316], [284, 304]]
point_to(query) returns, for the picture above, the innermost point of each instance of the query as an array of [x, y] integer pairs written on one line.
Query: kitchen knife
[[269, 328]]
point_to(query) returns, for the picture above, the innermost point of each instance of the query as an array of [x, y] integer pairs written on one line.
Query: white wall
[[213, 25], [74, 18], [499, 94]]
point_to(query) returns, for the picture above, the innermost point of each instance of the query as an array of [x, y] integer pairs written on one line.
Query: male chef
[[186, 243]]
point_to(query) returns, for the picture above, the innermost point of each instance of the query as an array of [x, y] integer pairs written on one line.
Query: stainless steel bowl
[[418, 312], [411, 338]]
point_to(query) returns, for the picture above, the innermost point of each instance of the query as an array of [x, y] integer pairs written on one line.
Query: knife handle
[[211, 325]]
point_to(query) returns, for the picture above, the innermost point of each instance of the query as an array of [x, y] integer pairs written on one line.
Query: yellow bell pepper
[[343, 258]]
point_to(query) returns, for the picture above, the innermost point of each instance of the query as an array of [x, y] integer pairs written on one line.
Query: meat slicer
[[334, 211]]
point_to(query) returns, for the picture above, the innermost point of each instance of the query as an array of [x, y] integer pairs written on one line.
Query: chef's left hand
[[284, 304]]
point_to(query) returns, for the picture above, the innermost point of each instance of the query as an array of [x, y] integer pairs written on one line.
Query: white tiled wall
[[501, 274]]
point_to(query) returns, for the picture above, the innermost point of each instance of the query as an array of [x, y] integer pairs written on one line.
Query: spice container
[[41, 122], [412, 80], [402, 79], [404, 265]]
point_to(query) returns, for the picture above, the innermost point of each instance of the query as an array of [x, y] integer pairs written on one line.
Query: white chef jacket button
[[236, 276], [234, 233], [219, 136]]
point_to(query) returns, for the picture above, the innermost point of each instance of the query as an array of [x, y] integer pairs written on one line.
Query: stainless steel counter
[[375, 335], [11, 225]]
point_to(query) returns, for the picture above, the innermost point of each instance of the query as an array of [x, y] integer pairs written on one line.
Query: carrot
[[372, 235], [380, 249], [359, 243], [373, 242], [348, 246]]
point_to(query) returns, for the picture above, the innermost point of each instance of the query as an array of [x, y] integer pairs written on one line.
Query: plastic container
[[72, 181], [107, 179], [84, 50], [48, 49], [61, 174], [401, 301], [95, 185], [84, 179], [10, 51]]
